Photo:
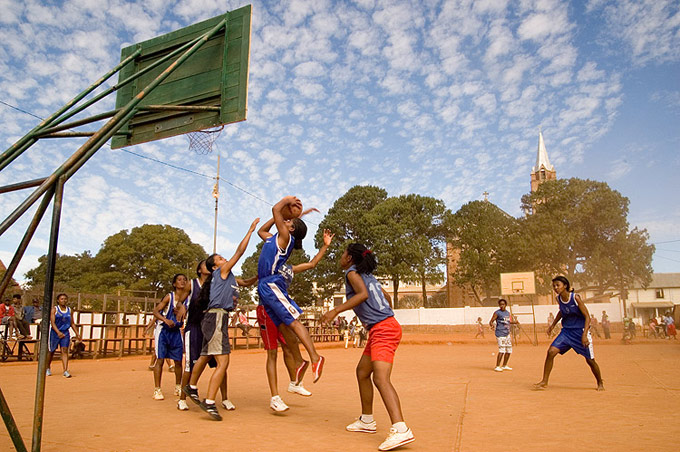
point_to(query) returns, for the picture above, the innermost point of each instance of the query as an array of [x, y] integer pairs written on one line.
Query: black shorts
[[193, 342]]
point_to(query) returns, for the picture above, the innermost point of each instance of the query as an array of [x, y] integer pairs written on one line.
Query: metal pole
[[37, 217], [45, 322], [533, 314], [216, 195], [11, 425], [22, 185]]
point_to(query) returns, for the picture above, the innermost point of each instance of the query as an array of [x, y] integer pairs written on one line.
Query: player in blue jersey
[[218, 293], [500, 322], [272, 288], [61, 322], [575, 332], [372, 305], [168, 336], [271, 336]]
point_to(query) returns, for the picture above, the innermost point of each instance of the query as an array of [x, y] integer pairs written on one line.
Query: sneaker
[[66, 374], [277, 404], [498, 369], [178, 390], [507, 368], [192, 393], [158, 394], [317, 368], [396, 439], [48, 373], [211, 409], [300, 372], [298, 389], [361, 426], [227, 405], [182, 405]]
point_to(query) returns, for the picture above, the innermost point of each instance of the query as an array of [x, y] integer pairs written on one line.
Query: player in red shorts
[[372, 305], [272, 336]]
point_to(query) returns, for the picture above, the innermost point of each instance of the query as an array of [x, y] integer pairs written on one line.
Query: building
[[543, 171]]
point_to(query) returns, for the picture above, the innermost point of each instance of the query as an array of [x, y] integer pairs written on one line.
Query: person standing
[[61, 321], [605, 325], [593, 326], [500, 322]]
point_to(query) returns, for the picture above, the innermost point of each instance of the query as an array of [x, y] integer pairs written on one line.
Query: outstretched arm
[[240, 249], [246, 282], [327, 238], [360, 295]]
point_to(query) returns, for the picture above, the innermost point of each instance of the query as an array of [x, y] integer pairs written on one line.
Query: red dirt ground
[[451, 398]]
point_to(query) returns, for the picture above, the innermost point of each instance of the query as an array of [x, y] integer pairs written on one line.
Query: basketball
[[292, 210]]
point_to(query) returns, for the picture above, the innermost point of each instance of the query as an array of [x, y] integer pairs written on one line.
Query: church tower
[[543, 170]]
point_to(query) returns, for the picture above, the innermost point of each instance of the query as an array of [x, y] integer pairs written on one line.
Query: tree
[[146, 258], [490, 243], [579, 228], [301, 289], [407, 235], [70, 272], [346, 220]]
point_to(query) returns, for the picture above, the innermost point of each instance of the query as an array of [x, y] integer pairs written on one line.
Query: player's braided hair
[[362, 258]]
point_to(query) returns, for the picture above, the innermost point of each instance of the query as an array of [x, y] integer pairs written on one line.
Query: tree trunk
[[474, 292], [395, 286], [424, 290]]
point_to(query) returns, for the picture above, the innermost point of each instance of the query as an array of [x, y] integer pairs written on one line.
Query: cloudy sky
[[435, 97]]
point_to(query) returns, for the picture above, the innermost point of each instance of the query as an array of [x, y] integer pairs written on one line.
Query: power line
[[19, 109], [667, 258], [667, 241]]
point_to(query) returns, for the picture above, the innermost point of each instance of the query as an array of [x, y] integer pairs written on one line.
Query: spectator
[[593, 326], [7, 317], [19, 318], [605, 325], [480, 328], [670, 326], [241, 321], [652, 327]]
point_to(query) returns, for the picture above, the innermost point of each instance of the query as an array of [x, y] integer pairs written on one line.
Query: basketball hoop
[[201, 141]]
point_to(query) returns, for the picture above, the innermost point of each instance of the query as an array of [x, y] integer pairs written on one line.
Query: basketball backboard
[[523, 283], [215, 76]]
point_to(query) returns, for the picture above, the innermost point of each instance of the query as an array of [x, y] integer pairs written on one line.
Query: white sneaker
[[361, 426], [507, 368], [48, 373], [277, 404], [158, 394], [67, 374], [227, 405], [396, 439], [498, 369], [298, 389], [178, 390], [182, 405]]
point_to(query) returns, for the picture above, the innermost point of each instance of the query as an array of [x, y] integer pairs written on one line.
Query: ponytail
[[362, 258], [204, 297]]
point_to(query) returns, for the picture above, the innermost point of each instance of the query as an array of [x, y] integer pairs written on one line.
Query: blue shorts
[[55, 342], [570, 338], [278, 305], [169, 343]]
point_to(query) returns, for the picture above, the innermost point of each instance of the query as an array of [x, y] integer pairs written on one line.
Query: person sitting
[[20, 321], [7, 318]]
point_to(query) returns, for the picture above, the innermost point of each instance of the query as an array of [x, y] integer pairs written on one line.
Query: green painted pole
[[11, 425]]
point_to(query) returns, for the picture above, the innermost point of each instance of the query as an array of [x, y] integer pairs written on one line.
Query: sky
[[435, 97]]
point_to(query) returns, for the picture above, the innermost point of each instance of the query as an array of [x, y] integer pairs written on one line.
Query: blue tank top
[[375, 308], [502, 323], [272, 257], [62, 319], [193, 315], [169, 312], [571, 314], [222, 291], [286, 271]]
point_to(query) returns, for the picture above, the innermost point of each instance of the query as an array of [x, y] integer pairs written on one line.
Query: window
[[659, 293]]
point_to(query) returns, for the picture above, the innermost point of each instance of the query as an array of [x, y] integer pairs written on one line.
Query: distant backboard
[[216, 76], [518, 283]]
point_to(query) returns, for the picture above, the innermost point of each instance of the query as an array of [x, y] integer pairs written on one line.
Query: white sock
[[293, 383], [193, 387], [277, 397], [400, 427], [209, 402], [367, 418]]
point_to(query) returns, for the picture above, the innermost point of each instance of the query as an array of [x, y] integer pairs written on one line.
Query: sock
[[293, 382], [209, 402], [193, 387], [400, 427], [276, 397], [367, 418]]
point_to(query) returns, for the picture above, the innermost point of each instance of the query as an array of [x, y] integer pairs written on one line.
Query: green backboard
[[215, 76]]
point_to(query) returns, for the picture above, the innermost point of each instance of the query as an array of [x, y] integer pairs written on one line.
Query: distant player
[[372, 305], [480, 328], [218, 293], [271, 336], [500, 322], [168, 336], [272, 288], [61, 322], [575, 332]]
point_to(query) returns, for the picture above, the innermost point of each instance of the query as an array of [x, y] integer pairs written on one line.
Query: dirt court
[[451, 398]]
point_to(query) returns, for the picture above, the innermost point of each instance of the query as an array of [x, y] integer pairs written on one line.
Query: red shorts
[[268, 331], [383, 340]]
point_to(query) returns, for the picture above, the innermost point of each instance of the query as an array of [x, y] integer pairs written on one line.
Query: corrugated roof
[[662, 281]]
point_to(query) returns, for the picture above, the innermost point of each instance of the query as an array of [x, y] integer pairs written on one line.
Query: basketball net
[[201, 142]]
